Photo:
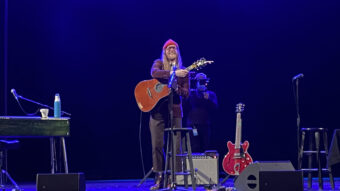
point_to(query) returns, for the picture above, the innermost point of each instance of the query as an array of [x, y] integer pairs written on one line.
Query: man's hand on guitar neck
[[180, 73]]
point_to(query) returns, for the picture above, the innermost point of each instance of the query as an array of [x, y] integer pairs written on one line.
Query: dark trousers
[[157, 125], [201, 142]]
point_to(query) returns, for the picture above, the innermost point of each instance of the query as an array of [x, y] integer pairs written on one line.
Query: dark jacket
[[163, 76]]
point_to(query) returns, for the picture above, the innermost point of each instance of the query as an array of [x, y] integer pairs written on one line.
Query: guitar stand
[[145, 177], [223, 181], [219, 185]]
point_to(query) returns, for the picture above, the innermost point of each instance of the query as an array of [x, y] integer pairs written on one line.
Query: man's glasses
[[170, 47], [203, 82]]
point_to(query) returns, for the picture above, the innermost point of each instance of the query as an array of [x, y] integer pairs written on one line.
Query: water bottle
[[57, 106]]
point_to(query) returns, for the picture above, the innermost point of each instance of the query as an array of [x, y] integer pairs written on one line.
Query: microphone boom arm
[[40, 104]]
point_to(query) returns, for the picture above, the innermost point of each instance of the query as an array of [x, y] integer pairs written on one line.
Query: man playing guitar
[[161, 70]]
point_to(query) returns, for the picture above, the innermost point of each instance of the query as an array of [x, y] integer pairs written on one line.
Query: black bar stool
[[314, 135], [4, 175], [186, 153]]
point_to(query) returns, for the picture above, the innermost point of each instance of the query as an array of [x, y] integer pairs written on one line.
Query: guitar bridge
[[149, 92]]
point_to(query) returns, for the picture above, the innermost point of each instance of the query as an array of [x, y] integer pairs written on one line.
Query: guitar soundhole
[[158, 87]]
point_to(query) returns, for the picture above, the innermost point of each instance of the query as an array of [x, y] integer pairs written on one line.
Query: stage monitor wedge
[[61, 182], [269, 176]]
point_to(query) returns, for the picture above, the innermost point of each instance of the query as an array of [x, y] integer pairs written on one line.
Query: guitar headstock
[[240, 107], [200, 64]]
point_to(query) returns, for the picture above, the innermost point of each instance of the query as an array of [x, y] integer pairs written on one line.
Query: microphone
[[298, 76], [14, 94], [172, 77]]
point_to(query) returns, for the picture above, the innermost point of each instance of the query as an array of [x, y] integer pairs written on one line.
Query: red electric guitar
[[237, 158]]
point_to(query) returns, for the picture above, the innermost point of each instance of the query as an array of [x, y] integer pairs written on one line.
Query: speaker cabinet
[[270, 175], [61, 182], [206, 169]]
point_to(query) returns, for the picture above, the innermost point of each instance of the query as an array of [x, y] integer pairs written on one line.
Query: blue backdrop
[[94, 53]]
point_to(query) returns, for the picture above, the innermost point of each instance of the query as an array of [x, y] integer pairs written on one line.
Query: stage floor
[[123, 185]]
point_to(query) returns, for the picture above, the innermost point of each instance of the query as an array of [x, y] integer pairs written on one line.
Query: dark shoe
[[158, 182]]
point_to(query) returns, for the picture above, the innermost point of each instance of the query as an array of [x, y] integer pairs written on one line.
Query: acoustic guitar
[[149, 92], [238, 158]]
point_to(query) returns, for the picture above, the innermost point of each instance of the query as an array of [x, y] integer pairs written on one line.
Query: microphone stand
[[40, 104], [298, 119], [172, 85]]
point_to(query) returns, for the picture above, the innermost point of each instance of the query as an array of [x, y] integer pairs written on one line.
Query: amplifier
[[206, 169]]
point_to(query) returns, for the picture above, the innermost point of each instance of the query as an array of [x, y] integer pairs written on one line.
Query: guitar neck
[[238, 131], [191, 67]]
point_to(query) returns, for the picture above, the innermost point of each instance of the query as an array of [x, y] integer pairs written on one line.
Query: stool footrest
[[178, 129], [182, 155], [313, 129], [314, 152], [187, 172], [314, 169], [182, 173]]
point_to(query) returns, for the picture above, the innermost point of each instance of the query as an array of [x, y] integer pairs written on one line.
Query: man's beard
[[172, 58]]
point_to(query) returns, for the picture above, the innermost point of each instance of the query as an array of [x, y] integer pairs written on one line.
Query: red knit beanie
[[168, 43]]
